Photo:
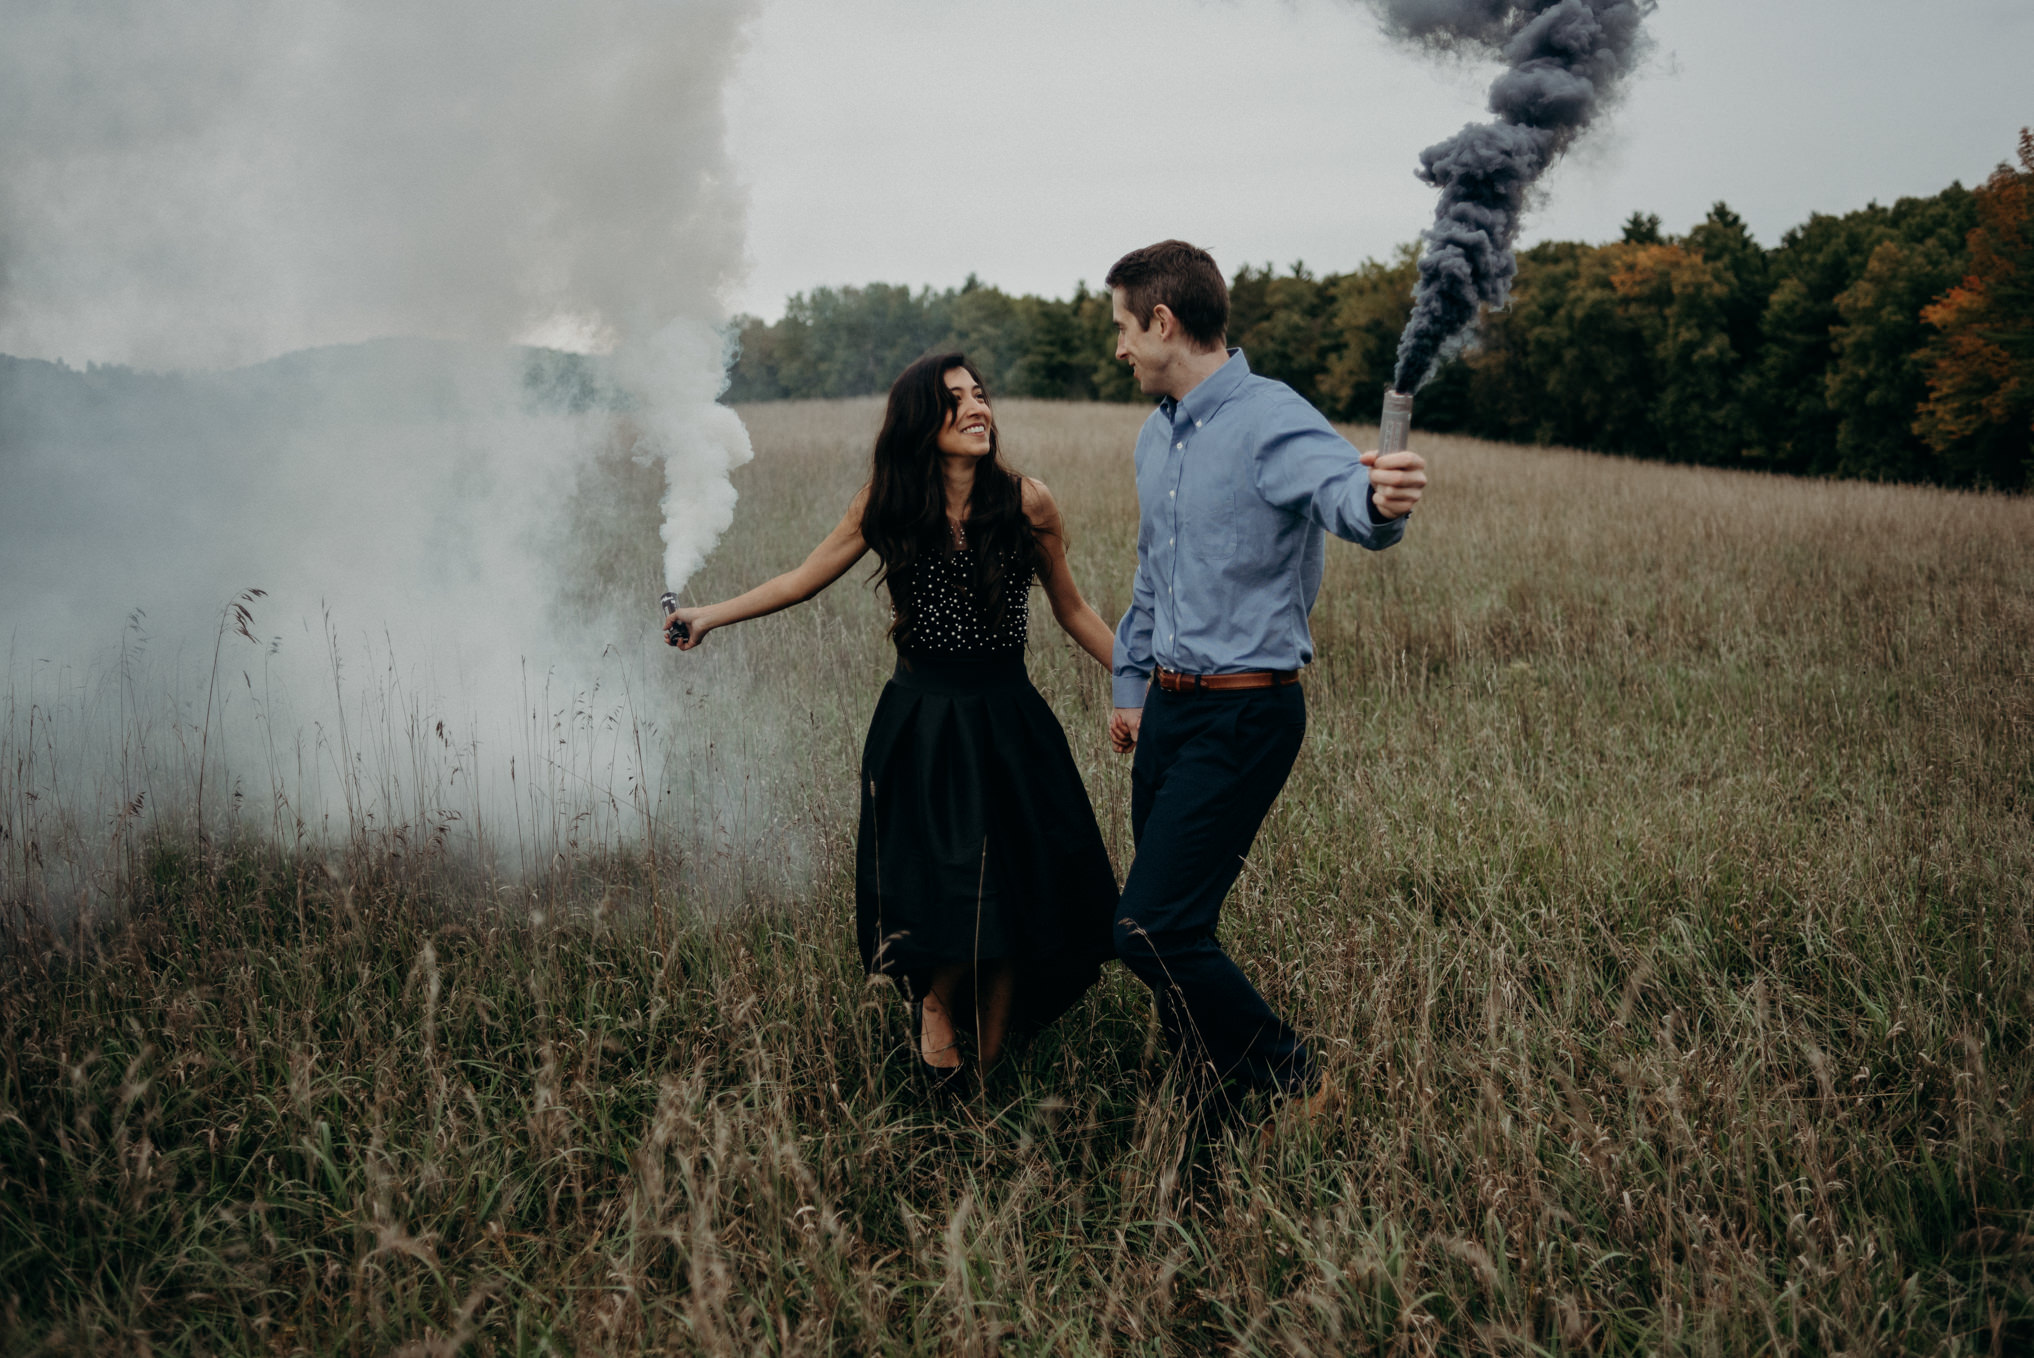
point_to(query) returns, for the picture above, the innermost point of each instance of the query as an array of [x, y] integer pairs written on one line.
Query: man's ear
[[1163, 323]]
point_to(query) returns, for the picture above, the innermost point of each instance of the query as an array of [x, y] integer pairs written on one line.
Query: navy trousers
[[1207, 769]]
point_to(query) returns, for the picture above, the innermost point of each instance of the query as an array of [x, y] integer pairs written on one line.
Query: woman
[[981, 882]]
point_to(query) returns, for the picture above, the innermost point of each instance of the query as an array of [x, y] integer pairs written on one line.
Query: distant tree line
[[854, 341], [1890, 343]]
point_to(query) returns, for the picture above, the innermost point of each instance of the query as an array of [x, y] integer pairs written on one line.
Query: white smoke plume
[[328, 225], [213, 182], [681, 367]]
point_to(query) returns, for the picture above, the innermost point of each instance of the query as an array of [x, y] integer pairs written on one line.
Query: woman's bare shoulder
[[1037, 497]]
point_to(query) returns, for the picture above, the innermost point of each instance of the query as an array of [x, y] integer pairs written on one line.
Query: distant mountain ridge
[[382, 380]]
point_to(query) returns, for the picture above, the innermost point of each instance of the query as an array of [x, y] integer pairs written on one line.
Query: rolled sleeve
[[1304, 467]]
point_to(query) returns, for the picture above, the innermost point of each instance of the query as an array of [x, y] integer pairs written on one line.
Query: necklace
[[960, 531]]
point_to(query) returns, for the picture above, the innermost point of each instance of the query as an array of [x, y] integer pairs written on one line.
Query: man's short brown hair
[[1184, 278]]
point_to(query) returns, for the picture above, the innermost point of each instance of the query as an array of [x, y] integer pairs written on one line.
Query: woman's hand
[[829, 561], [696, 623]]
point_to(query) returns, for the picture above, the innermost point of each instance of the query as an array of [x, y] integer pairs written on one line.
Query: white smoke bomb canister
[[1394, 426]]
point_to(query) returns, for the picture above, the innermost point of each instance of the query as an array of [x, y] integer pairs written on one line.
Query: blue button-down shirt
[[1238, 483]]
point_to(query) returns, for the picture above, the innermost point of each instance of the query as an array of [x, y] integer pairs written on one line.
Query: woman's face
[[967, 427]]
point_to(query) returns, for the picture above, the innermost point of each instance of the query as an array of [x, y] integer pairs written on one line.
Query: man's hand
[[1123, 725], [1396, 481]]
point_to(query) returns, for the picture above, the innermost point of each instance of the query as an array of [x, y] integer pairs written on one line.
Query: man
[[1238, 480]]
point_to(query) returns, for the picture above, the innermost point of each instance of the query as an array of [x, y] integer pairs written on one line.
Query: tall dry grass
[[1655, 885]]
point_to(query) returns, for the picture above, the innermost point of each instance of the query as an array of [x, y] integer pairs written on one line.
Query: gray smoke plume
[[1565, 59]]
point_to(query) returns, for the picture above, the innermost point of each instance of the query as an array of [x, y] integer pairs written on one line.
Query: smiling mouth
[[980, 427]]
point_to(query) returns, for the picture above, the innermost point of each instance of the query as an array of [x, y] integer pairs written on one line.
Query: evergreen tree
[[1643, 228], [1741, 267], [1058, 359], [1283, 324]]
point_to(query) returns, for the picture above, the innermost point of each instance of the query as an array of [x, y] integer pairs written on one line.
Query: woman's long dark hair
[[905, 518]]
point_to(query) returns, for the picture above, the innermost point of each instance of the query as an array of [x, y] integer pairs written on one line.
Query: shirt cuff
[[1128, 690]]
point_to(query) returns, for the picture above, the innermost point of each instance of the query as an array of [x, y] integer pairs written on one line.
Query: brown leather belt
[[1172, 681]]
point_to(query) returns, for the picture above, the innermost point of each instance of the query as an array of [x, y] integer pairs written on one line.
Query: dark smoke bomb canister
[[677, 631]]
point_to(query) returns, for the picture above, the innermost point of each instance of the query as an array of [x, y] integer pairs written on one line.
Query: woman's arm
[[829, 561], [1081, 622]]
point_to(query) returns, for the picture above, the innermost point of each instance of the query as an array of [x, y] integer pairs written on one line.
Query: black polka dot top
[[947, 621]]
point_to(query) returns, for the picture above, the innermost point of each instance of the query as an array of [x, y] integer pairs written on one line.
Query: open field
[[1656, 882]]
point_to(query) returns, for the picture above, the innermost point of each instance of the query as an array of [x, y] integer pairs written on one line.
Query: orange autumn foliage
[[1980, 408]]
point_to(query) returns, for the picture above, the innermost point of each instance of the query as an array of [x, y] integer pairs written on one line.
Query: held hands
[[1123, 727], [695, 623], [1396, 481]]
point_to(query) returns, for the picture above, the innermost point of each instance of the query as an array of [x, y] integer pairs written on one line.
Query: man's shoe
[[1317, 1106], [1304, 1110]]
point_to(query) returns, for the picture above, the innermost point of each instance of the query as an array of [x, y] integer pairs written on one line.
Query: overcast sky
[[916, 141]]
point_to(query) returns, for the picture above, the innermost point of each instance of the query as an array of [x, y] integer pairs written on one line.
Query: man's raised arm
[[1306, 468]]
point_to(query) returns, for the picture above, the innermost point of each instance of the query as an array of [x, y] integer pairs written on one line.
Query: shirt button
[[1179, 445], [1172, 492]]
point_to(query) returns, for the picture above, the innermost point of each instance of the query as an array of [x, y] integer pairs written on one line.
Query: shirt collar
[[1217, 387]]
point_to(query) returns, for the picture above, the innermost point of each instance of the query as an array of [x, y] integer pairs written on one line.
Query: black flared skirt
[[977, 839]]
